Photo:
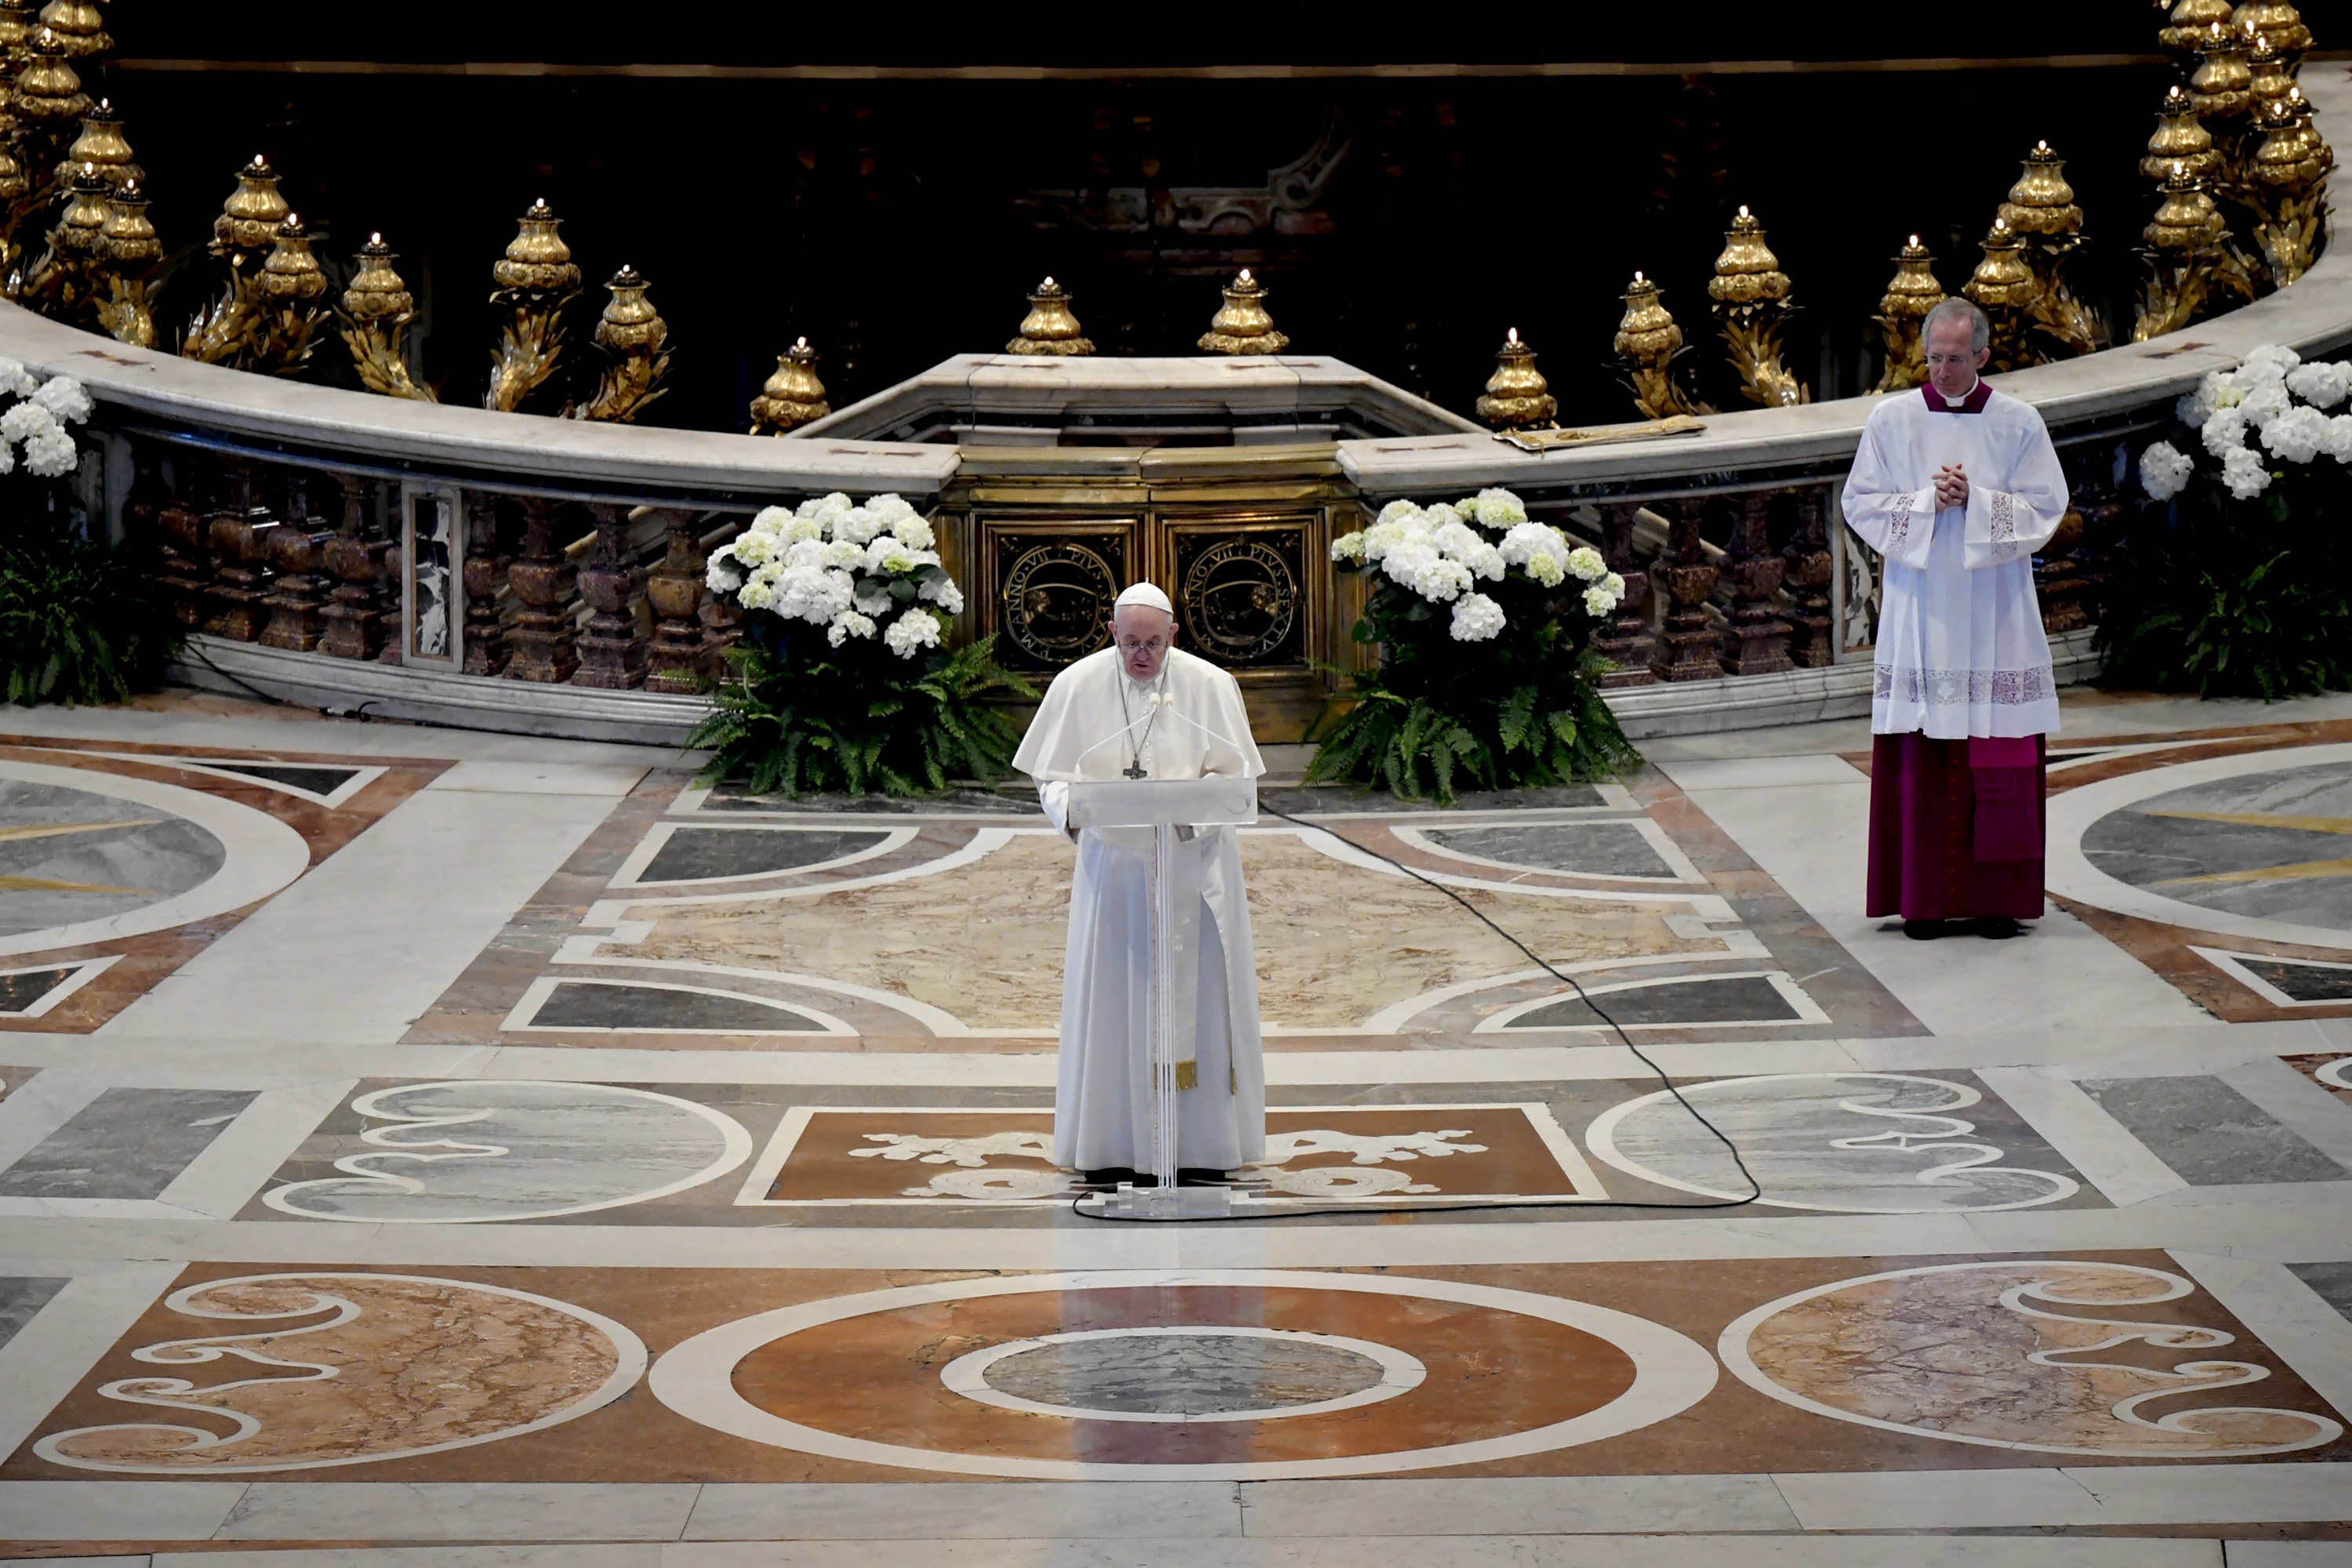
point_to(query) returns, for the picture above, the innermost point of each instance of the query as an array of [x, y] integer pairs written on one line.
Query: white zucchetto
[[1145, 595]]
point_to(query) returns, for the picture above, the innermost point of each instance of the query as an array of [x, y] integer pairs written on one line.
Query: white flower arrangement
[[857, 569], [1442, 551], [38, 423], [2272, 403]]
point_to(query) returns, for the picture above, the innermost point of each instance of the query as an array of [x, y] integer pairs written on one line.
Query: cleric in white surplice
[[1143, 708]]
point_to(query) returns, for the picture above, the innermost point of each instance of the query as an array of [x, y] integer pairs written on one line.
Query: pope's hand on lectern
[[1142, 709]]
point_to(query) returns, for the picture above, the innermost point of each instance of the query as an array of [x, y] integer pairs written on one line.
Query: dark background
[[883, 217]]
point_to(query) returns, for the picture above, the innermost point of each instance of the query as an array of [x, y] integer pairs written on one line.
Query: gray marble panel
[[1696, 1001], [693, 853], [317, 779], [2208, 1133], [22, 989], [1592, 849], [20, 1298], [72, 855], [2303, 982], [2331, 1282], [2171, 843], [126, 1144], [577, 1004], [1340, 797], [1012, 802], [1183, 1374]]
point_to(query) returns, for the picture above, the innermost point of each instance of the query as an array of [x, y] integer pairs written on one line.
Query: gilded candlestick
[[80, 30], [2180, 137], [377, 309], [2041, 210], [1648, 343], [536, 279], [1049, 328], [2279, 25], [130, 251], [289, 287], [792, 396], [2181, 247], [102, 146], [2286, 181], [247, 228], [1241, 326], [1750, 296], [1516, 393], [2190, 22], [631, 332], [65, 282], [1903, 309], [2004, 287]]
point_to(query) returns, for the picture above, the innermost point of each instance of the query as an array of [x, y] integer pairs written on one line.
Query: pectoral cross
[[1135, 770]]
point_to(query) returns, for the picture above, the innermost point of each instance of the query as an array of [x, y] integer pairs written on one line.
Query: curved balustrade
[[544, 575]]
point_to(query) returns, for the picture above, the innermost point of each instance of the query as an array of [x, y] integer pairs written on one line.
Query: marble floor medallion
[[2052, 1357], [306, 1371], [1207, 1374], [486, 1149], [1838, 1143]]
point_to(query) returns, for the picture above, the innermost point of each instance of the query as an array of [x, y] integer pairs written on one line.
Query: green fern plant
[[79, 621]]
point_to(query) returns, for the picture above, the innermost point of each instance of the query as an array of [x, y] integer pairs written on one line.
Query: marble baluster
[[1759, 639], [1690, 637], [298, 547], [1628, 643], [144, 501], [240, 538], [612, 648], [540, 640], [186, 574], [722, 623], [485, 568], [2059, 579], [674, 590], [1812, 640], [356, 556]]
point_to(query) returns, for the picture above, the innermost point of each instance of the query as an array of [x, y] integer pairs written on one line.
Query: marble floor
[[421, 1147]]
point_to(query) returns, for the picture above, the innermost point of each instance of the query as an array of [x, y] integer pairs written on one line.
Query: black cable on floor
[[1756, 1188]]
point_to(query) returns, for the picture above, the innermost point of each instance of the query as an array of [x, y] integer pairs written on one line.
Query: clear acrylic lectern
[[1163, 806]]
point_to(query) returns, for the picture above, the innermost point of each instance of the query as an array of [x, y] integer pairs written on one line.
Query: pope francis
[[1144, 709]]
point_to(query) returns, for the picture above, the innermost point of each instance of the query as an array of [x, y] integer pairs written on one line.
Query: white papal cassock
[[1960, 647], [1102, 1105]]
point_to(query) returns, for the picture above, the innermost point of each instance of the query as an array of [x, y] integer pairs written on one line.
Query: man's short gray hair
[[1953, 308]]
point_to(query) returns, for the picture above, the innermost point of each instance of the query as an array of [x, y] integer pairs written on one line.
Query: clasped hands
[[1951, 488]]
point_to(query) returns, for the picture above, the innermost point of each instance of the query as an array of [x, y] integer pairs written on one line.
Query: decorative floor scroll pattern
[[2047, 1357], [316, 1370]]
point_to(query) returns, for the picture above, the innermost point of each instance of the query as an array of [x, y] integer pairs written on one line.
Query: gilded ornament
[[2180, 139], [1243, 326], [1516, 393], [634, 336], [1903, 309], [2221, 88], [1648, 343], [2040, 211], [2268, 78], [16, 29], [101, 145], [536, 279], [64, 282], [2005, 287], [2190, 22], [128, 251], [247, 226], [791, 397], [2281, 26], [289, 289], [377, 309], [2286, 182], [1049, 328], [2186, 259], [2041, 203], [48, 94], [80, 30], [1751, 300]]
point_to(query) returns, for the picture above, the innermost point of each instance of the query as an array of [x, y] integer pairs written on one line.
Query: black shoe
[[1998, 928], [1112, 1175], [1925, 930], [1199, 1176]]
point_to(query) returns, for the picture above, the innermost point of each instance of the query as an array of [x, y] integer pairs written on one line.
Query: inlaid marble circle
[[1343, 1374], [1183, 1372], [87, 855]]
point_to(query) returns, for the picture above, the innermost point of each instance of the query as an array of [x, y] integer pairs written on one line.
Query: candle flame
[[1245, 277], [1637, 276], [1743, 212], [801, 343], [1048, 284], [2041, 147], [1915, 242], [104, 104], [376, 238], [1512, 336]]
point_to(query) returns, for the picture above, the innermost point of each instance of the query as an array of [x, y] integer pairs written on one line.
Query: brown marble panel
[[2309, 1066]]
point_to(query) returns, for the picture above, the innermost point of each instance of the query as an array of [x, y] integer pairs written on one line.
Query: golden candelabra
[[2042, 212], [2279, 25], [2287, 181], [244, 235], [1049, 328], [288, 288], [2180, 139], [130, 251], [791, 397], [536, 279], [80, 30], [2004, 288], [1517, 394], [101, 146], [49, 98], [2190, 22], [2221, 91], [1647, 344], [1903, 309], [2183, 249], [64, 282], [1242, 325], [16, 29], [377, 309], [2268, 79], [631, 332], [1751, 300]]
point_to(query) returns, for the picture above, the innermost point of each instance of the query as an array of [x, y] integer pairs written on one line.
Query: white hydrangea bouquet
[[1485, 622], [36, 422], [856, 571], [876, 703], [2235, 585]]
